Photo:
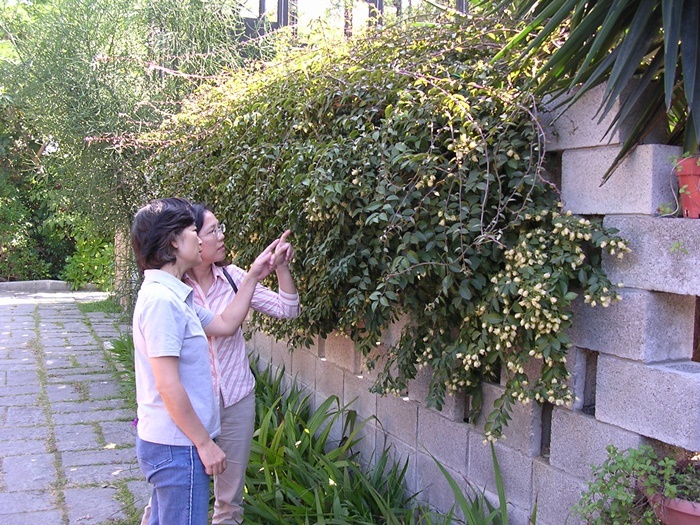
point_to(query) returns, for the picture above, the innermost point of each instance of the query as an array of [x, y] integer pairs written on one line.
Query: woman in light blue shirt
[[178, 415]]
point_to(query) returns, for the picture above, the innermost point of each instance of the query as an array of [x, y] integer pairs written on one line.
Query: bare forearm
[[285, 280], [236, 311]]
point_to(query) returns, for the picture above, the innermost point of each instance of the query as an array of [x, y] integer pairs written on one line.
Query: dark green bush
[[19, 259], [409, 167], [92, 262]]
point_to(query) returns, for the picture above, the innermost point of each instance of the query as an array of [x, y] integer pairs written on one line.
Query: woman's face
[[188, 248], [212, 235]]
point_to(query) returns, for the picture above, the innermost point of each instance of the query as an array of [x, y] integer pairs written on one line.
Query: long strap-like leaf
[[690, 56], [671, 13]]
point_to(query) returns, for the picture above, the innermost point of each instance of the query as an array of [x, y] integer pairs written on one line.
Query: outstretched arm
[[230, 320], [284, 253]]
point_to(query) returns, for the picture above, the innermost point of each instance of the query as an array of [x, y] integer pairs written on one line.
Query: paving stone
[[48, 517], [102, 474], [19, 400], [89, 417], [74, 376], [22, 473], [58, 392], [104, 389], [19, 366], [22, 378], [97, 457], [23, 354], [20, 389], [25, 417], [23, 433], [120, 433], [141, 491], [93, 506], [76, 437], [86, 406], [30, 501], [17, 447]]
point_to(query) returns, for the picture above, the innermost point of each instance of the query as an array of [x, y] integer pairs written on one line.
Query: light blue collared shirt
[[166, 322]]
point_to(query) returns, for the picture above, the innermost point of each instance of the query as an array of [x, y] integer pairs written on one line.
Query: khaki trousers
[[237, 427]]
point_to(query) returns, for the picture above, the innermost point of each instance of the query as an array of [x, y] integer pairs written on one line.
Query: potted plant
[[687, 170], [639, 486]]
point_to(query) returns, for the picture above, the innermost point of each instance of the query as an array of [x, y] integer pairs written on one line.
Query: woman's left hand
[[284, 251]]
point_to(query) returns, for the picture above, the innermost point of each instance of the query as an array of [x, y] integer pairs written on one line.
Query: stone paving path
[[66, 439]]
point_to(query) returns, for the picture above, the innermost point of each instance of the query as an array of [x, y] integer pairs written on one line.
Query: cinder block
[[398, 417], [340, 350], [336, 433], [359, 397], [281, 356], [392, 335], [579, 441], [455, 404], [367, 441], [657, 401], [556, 492], [263, 360], [318, 348], [378, 357], [445, 439], [576, 365], [329, 380], [262, 344], [304, 366], [400, 452], [665, 254], [524, 431], [516, 470], [580, 127], [644, 326], [434, 488], [641, 183]]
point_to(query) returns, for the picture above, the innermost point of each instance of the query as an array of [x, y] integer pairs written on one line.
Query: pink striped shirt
[[227, 355]]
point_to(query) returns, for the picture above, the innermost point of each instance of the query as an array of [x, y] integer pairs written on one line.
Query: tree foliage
[[409, 166], [89, 74], [78, 79], [643, 49]]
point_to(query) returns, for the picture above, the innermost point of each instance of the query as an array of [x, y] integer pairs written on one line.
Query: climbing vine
[[410, 168]]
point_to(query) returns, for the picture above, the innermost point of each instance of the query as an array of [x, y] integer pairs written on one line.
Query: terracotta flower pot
[[674, 511], [688, 173]]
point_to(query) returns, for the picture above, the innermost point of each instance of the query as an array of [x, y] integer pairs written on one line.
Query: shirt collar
[[180, 289]]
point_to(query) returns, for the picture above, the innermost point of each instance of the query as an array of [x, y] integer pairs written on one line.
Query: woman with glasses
[[178, 410], [214, 288]]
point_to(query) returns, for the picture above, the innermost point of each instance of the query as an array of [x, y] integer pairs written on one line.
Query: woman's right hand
[[264, 264], [212, 457]]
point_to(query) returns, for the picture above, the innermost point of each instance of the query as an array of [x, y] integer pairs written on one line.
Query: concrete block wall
[[631, 363]]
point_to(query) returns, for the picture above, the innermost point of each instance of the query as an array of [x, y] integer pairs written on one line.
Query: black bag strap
[[230, 280]]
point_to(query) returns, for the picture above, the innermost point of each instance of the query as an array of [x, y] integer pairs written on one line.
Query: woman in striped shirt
[[229, 361]]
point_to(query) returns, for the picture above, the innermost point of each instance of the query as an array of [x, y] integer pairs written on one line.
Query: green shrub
[[621, 486], [19, 258], [92, 262], [409, 167], [298, 475]]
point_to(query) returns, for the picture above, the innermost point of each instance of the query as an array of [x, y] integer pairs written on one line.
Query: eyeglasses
[[220, 230]]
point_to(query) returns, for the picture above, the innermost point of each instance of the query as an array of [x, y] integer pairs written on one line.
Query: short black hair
[[199, 210], [154, 229]]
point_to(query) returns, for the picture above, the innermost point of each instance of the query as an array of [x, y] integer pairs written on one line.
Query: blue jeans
[[180, 485]]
